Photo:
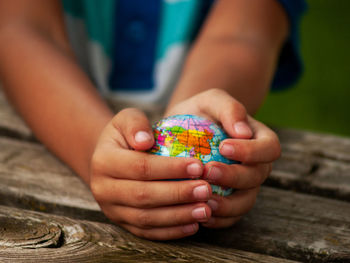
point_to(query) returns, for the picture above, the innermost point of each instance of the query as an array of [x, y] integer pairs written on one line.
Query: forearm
[[52, 94], [237, 51], [241, 70]]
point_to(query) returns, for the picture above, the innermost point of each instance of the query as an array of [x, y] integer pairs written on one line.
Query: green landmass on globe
[[190, 136]]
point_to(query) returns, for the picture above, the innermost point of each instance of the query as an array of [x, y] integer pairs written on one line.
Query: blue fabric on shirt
[[290, 65], [135, 44], [134, 55], [135, 41]]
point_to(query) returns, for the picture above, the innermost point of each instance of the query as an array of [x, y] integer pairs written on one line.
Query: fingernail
[[242, 128], [201, 192], [142, 136], [227, 150], [199, 213], [214, 173], [194, 169], [213, 204], [192, 228]]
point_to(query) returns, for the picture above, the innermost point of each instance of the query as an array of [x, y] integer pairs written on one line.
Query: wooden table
[[48, 215]]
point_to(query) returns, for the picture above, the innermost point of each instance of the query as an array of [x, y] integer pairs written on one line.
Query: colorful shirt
[[134, 49]]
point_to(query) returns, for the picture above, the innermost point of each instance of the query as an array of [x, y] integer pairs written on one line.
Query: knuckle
[[237, 106], [177, 193], [176, 218], [97, 164], [142, 197], [97, 191], [143, 169], [125, 118], [144, 219], [234, 107], [246, 154]]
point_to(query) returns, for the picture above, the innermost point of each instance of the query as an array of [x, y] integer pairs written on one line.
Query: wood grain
[[313, 163], [62, 239], [32, 178], [291, 225], [283, 223]]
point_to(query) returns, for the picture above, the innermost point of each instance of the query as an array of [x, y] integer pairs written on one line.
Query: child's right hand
[[127, 183]]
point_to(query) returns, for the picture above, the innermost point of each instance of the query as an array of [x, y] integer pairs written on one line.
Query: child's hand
[[126, 182], [253, 144], [256, 156]]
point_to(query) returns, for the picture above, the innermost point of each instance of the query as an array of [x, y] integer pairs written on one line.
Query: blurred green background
[[320, 101]]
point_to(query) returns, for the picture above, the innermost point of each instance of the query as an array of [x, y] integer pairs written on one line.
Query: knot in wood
[[28, 233]]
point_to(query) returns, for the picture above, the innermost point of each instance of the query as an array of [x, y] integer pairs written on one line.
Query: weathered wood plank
[[313, 163], [32, 178], [291, 225], [31, 237], [10, 123], [324, 145], [283, 223]]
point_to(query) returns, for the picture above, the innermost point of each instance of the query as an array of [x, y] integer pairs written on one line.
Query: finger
[[166, 233], [127, 164], [135, 127], [147, 194], [264, 147], [237, 204], [221, 222], [230, 112], [236, 176], [160, 216]]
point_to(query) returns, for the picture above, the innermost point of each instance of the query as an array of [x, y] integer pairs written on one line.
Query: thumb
[[231, 113], [136, 129]]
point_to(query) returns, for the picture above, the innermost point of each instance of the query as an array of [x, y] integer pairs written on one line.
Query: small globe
[[191, 136]]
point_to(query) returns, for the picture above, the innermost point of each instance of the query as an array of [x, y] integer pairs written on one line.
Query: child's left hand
[[253, 144]]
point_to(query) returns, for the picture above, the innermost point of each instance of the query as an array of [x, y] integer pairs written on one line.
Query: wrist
[[88, 144]]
